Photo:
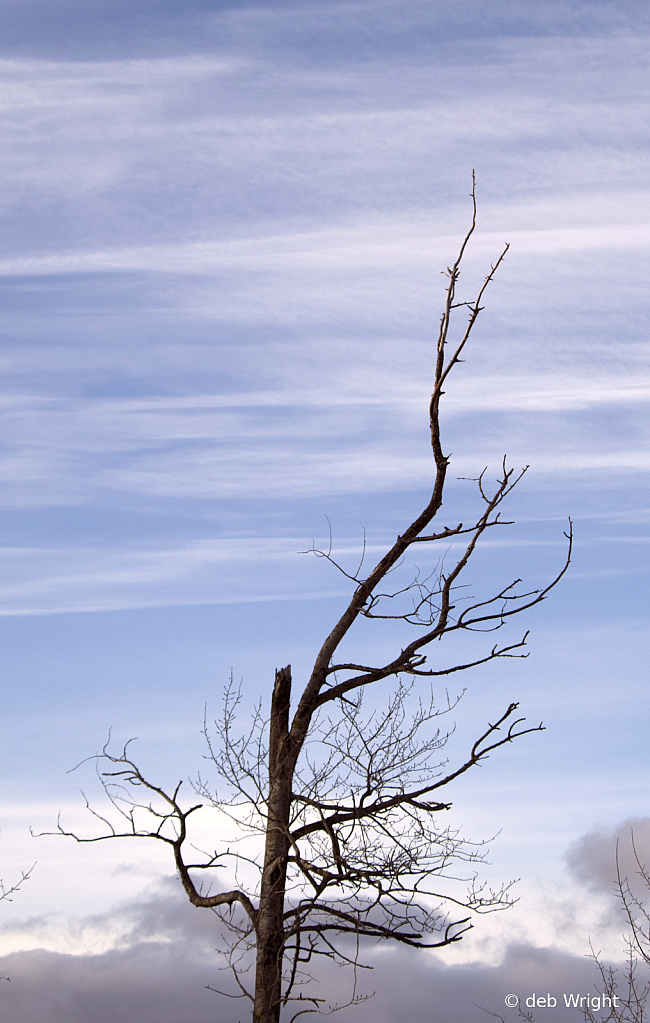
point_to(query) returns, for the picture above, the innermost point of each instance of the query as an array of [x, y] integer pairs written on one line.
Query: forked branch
[[345, 806]]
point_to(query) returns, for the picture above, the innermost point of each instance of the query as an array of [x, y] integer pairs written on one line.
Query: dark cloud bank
[[166, 982], [167, 958]]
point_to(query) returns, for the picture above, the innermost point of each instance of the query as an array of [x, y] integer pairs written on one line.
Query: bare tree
[[344, 805], [627, 995], [621, 994]]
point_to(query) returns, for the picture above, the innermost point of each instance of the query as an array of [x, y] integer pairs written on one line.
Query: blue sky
[[223, 229]]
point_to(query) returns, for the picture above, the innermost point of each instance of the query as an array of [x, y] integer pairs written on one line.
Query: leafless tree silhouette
[[628, 993], [620, 994], [338, 801]]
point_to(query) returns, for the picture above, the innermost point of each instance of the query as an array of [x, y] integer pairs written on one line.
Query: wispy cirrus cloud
[[224, 447], [223, 231]]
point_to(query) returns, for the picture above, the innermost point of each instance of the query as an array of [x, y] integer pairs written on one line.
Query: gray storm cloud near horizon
[[224, 228], [163, 963]]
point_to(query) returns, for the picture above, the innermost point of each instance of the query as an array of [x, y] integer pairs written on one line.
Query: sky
[[224, 231]]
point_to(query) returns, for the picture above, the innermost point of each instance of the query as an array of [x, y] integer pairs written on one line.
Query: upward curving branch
[[340, 809]]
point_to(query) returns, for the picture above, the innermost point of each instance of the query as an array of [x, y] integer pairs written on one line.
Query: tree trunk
[[270, 920]]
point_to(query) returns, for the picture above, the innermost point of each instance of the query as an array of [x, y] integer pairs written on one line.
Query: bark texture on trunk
[[270, 920]]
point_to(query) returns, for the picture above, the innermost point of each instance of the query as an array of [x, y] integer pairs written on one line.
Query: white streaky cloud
[[365, 431], [221, 286], [337, 251], [498, 392], [366, 469], [54, 580], [32, 73], [78, 110], [353, 403], [414, 124], [57, 579], [504, 392], [213, 475], [209, 448], [73, 99]]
